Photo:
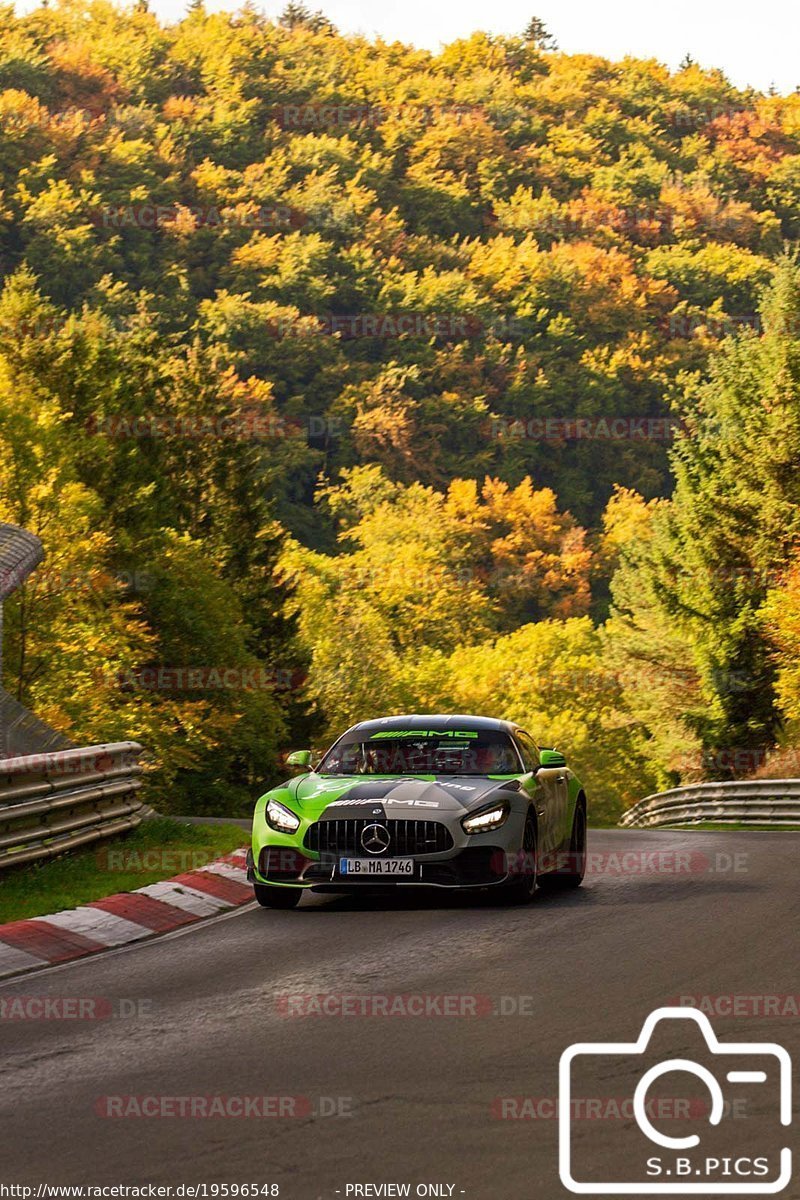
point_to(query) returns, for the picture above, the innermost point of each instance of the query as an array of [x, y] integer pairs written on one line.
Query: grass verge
[[156, 850]]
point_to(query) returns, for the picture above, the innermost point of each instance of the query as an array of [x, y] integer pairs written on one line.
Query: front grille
[[406, 837]]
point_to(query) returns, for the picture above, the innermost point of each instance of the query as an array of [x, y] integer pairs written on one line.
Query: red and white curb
[[127, 917]]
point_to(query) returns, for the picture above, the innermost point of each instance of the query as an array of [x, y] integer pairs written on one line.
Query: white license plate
[[376, 866]]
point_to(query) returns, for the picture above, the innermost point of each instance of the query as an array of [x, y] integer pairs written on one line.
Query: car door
[[563, 827], [543, 787], [561, 777]]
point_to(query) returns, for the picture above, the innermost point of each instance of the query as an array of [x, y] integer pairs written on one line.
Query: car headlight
[[281, 818], [490, 818]]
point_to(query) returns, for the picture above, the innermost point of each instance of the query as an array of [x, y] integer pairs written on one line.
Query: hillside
[[346, 376]]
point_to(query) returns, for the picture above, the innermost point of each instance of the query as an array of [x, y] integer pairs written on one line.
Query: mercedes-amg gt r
[[422, 801]]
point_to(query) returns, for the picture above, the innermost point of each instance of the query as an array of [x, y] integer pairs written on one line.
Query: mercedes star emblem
[[375, 839]]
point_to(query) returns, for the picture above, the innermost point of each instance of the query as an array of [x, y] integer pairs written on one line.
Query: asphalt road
[[716, 914]]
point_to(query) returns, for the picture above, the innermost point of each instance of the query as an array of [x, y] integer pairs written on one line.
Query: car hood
[[409, 797]]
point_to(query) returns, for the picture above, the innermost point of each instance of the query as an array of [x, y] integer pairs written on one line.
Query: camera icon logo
[[705, 1152]]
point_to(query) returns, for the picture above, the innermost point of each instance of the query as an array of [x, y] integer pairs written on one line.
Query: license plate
[[403, 867]]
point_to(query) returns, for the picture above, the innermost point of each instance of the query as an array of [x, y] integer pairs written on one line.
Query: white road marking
[[180, 896], [134, 947], [100, 926], [225, 869]]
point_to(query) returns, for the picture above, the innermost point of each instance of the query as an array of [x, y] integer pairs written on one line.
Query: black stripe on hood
[[414, 798]]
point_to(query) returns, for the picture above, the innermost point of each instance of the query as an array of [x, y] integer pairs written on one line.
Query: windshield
[[422, 752]]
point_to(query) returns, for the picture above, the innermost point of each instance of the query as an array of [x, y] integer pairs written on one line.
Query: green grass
[[156, 850]]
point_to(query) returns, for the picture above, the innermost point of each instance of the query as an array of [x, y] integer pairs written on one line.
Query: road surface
[[407, 1099]]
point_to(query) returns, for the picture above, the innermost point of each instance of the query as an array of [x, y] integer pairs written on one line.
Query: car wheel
[[520, 890], [277, 897], [560, 880]]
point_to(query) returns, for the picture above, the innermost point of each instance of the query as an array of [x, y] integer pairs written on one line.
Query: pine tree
[[732, 525], [537, 33], [297, 15]]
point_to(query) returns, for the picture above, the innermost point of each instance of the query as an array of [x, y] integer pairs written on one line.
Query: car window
[[529, 750], [422, 752]]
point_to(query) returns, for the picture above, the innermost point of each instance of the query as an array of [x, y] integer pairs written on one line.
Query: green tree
[[554, 679], [536, 32], [298, 16], [732, 524]]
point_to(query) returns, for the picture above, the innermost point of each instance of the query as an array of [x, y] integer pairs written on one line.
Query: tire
[[563, 880], [521, 889], [277, 897]]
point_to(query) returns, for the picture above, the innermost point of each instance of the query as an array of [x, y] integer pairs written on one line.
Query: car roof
[[434, 721]]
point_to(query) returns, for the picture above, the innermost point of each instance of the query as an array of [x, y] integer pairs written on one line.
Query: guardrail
[[50, 803], [20, 731], [20, 553], [54, 796], [746, 802]]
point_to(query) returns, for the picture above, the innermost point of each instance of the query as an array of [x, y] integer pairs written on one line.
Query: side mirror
[[301, 759], [552, 758]]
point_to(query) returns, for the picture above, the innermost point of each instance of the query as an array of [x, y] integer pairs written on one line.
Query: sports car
[[422, 801]]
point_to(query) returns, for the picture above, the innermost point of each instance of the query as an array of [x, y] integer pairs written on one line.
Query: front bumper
[[469, 861], [469, 867]]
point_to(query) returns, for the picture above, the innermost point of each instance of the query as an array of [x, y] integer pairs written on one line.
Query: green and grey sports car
[[422, 801]]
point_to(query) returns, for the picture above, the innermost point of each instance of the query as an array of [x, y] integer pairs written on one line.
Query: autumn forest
[[341, 378]]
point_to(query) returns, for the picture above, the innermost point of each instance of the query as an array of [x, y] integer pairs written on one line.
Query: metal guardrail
[[20, 731], [53, 796], [50, 803], [746, 802], [20, 553]]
